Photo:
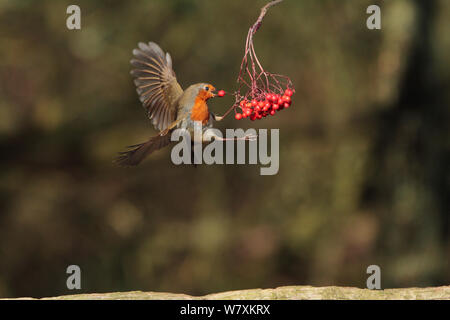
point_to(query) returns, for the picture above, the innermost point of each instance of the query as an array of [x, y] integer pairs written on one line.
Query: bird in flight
[[168, 106]]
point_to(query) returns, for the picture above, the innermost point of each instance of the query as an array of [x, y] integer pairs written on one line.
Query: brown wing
[[156, 83]]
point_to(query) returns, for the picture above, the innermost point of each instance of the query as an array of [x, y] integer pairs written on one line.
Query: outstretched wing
[[156, 83]]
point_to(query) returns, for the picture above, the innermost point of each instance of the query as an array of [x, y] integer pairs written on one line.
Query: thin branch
[[256, 85]]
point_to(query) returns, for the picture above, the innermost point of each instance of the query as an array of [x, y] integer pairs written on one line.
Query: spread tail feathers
[[139, 151]]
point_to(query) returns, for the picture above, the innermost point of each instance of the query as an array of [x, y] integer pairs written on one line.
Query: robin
[[167, 105]]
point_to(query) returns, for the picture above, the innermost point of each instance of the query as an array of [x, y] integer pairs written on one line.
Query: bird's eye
[[207, 88]]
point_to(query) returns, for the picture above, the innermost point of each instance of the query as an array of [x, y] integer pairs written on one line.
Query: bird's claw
[[251, 137]]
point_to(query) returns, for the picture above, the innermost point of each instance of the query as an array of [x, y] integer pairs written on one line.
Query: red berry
[[249, 105], [288, 92], [253, 117], [286, 105], [221, 93], [286, 99], [244, 115], [254, 102], [275, 107], [272, 112], [248, 111], [261, 104], [280, 101], [238, 116], [242, 103]]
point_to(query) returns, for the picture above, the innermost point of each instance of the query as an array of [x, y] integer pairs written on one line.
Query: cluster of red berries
[[257, 109]]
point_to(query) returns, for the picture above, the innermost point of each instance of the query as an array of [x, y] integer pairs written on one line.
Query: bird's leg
[[210, 134], [218, 118]]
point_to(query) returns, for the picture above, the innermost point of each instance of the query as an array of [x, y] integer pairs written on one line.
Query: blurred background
[[364, 150]]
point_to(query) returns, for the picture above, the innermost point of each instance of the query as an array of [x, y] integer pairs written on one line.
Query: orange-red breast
[[167, 105]]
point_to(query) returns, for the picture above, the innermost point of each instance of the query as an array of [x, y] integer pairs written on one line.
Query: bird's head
[[205, 91]]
